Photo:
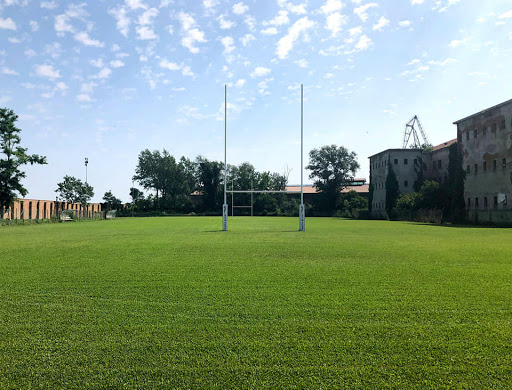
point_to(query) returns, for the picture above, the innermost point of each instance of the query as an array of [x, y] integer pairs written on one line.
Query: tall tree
[[73, 190], [13, 157], [392, 189], [111, 201], [209, 176], [332, 168]]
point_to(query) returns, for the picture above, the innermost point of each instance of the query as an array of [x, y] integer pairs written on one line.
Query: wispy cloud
[[285, 44], [190, 34], [45, 70]]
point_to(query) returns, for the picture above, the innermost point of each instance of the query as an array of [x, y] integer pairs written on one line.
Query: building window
[[469, 202], [476, 169], [485, 201], [415, 161], [494, 165], [405, 161], [475, 132], [485, 165], [496, 202], [476, 202], [467, 135], [467, 169], [504, 163], [502, 124], [493, 128], [396, 161], [406, 183], [439, 164], [484, 130]]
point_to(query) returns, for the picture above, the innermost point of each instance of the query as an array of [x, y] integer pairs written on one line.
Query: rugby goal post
[[302, 212]]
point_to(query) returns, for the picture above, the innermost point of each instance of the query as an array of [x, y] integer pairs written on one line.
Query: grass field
[[176, 303]]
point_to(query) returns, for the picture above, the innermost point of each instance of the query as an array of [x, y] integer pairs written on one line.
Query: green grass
[[176, 303]]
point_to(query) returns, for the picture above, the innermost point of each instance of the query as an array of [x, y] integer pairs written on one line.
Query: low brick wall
[[45, 209]]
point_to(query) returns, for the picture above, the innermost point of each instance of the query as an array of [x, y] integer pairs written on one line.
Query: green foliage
[[210, 182], [332, 168], [392, 189], [371, 189], [456, 179], [177, 303], [111, 202], [352, 201], [408, 202], [13, 158], [73, 190]]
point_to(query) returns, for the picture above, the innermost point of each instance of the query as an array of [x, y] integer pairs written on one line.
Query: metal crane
[[411, 129]]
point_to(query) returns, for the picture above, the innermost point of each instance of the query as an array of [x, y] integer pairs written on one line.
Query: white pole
[[302, 213], [225, 205]]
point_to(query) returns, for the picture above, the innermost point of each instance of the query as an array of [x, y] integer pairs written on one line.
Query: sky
[[108, 79]]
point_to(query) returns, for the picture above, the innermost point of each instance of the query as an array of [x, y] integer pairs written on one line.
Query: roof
[[310, 189], [444, 145], [395, 150], [481, 112]]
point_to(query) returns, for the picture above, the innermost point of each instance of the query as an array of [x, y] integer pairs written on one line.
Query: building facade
[[406, 164], [45, 209], [485, 140]]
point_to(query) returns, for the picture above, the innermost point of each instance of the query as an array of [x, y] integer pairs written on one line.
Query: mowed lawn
[[177, 303]]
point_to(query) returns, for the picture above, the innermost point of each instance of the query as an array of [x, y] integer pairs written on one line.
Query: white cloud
[[251, 23], [414, 62], [334, 23], [122, 20], [145, 33], [413, 2], [302, 63], [285, 44], [7, 24], [404, 23], [260, 72], [34, 26], [240, 8], [83, 37], [506, 15], [246, 39], [116, 63], [331, 6], [97, 63], [458, 42], [280, 19], [61, 86], [210, 4], [88, 88], [8, 71], [30, 53], [446, 62], [269, 31], [228, 44], [224, 23], [135, 4], [103, 73], [355, 31], [147, 17], [185, 69], [62, 24], [190, 34], [364, 43], [383, 22], [47, 71], [76, 11], [240, 83], [83, 97], [49, 4], [361, 11]]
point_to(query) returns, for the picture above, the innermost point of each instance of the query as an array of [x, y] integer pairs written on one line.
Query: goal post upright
[[302, 213], [225, 205]]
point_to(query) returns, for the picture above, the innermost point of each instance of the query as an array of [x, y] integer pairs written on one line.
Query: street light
[[86, 163]]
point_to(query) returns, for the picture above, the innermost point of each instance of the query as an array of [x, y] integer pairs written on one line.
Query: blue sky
[[107, 79]]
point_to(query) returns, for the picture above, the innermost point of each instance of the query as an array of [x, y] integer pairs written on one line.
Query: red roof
[[444, 145], [309, 189]]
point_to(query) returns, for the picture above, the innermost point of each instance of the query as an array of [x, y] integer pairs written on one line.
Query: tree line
[[171, 184]]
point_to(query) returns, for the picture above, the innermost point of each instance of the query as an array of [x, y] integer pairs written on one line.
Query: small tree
[[333, 168], [73, 190], [111, 202], [14, 157]]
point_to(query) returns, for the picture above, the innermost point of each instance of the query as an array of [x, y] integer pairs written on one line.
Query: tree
[[392, 189], [333, 168], [15, 157], [73, 190], [136, 194], [209, 177], [111, 201], [456, 179]]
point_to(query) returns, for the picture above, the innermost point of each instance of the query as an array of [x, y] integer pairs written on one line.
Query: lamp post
[[86, 163]]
